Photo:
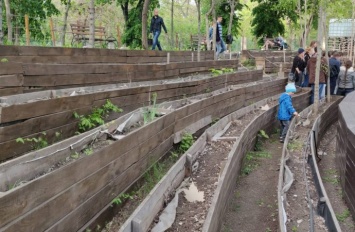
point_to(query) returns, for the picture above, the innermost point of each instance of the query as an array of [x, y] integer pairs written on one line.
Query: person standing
[[307, 55], [346, 79], [155, 28], [311, 70], [334, 66], [286, 110], [298, 66], [220, 45]]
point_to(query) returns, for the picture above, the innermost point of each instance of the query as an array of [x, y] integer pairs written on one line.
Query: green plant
[[343, 216], [268, 230], [331, 176], [249, 63], [294, 228], [96, 117], [186, 142], [4, 60], [36, 143], [75, 155], [216, 72], [88, 151], [214, 121], [251, 161], [150, 112], [259, 140], [295, 145], [121, 198]]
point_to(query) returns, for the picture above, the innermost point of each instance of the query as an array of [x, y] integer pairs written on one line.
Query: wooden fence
[[59, 55], [345, 150], [17, 78], [52, 111], [67, 198]]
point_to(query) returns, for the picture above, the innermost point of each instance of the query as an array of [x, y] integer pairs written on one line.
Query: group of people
[[342, 80], [277, 42], [157, 23], [303, 72]]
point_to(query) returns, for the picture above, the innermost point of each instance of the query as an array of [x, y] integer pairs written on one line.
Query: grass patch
[[330, 176], [343, 216], [295, 145], [252, 161]]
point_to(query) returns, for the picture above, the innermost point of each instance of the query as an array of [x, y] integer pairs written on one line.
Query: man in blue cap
[[286, 110]]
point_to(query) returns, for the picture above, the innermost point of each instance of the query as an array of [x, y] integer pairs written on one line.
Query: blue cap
[[290, 88], [300, 50]]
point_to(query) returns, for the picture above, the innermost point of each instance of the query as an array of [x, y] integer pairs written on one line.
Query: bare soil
[[254, 203], [331, 181], [190, 216]]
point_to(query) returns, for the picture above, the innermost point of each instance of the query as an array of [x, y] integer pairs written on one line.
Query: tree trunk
[[65, 21], [351, 55], [8, 21], [214, 30], [198, 4], [231, 14], [144, 24], [92, 23], [208, 26], [1, 32], [327, 57], [319, 57], [124, 8], [172, 24]]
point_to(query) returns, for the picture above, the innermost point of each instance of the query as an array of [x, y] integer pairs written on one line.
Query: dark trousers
[[343, 91], [333, 83], [284, 128]]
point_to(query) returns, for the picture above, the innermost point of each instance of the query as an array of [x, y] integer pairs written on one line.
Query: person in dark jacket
[[334, 66], [220, 46], [299, 66], [155, 28], [286, 110]]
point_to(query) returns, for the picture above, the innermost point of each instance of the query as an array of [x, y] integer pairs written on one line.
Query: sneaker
[[282, 140]]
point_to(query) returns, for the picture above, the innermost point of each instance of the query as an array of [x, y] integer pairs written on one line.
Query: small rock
[[180, 223], [294, 195], [299, 221]]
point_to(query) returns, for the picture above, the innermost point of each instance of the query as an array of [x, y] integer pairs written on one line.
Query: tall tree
[[319, 57], [198, 5], [65, 21], [208, 25], [172, 23], [92, 23], [144, 24], [1, 32], [8, 20]]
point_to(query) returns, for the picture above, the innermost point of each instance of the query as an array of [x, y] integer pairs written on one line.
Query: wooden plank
[[13, 203], [11, 80], [11, 91], [84, 189], [7, 68], [86, 208]]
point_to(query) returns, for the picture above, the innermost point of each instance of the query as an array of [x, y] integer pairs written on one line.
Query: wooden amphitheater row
[[268, 54], [58, 55], [346, 149], [56, 115], [50, 75], [70, 196]]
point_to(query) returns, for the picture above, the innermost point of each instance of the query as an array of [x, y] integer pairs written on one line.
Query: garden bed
[[70, 196], [141, 219], [301, 193]]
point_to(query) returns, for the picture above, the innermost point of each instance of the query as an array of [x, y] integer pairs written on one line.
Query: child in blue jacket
[[286, 110]]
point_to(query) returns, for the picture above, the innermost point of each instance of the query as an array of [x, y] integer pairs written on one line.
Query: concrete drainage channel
[[218, 177], [68, 197], [299, 174]]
